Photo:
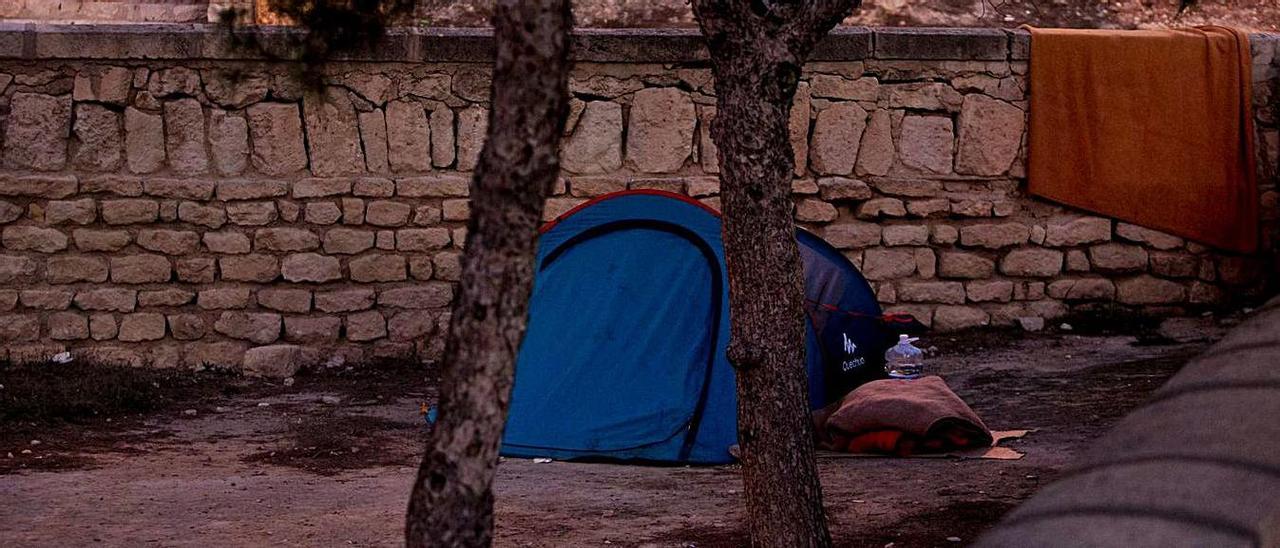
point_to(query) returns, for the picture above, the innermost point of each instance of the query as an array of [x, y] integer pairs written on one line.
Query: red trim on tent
[[887, 318], [641, 191]]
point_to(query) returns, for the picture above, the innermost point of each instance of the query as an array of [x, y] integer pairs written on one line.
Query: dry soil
[[329, 461]]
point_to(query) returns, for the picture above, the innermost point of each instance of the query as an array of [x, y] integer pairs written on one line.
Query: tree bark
[[452, 500], [757, 49]]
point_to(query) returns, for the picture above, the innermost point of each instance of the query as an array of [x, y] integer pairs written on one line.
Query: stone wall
[[168, 201]]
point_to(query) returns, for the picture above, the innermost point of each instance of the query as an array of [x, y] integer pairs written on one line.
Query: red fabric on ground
[[901, 417]]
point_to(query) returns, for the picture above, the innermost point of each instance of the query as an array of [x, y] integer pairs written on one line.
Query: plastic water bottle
[[904, 360]]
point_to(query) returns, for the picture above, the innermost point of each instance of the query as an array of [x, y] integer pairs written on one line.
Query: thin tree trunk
[[757, 48], [452, 500]]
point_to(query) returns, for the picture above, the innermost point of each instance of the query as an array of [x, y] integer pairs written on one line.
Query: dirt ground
[[329, 461]]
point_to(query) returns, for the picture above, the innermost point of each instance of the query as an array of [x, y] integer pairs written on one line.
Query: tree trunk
[[757, 49], [452, 500]]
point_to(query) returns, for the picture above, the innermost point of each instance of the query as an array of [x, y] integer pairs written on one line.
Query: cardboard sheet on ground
[[995, 452]]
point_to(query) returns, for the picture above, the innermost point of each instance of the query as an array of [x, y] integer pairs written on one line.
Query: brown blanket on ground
[[1153, 127], [901, 417]]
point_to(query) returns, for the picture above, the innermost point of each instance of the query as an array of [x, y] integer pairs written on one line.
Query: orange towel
[[1153, 127]]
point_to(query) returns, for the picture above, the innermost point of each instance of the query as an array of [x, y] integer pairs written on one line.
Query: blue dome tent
[[624, 356]]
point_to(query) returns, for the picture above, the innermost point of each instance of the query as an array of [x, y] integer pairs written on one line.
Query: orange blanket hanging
[[1153, 127]]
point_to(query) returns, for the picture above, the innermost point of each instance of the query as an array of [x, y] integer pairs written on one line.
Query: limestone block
[[169, 242], [1149, 290], [888, 264], [347, 300], [994, 236], [297, 301], [143, 140], [310, 267], [65, 269], [852, 235], [285, 239], [957, 264], [922, 96], [184, 136], [231, 243], [249, 268], [209, 216], [165, 297], [347, 241], [306, 329], [443, 139], [473, 122], [433, 186], [186, 189], [100, 240], [596, 143], [107, 299], [142, 326], [103, 85], [447, 266], [1173, 264], [955, 318], [374, 187], [836, 132], [1152, 238], [1035, 262], [98, 139], [276, 129], [229, 142], [36, 131], [102, 327], [990, 135], [833, 86], [46, 299], [927, 143], [1116, 257], [931, 292], [898, 235], [366, 326], [252, 213], [378, 268], [236, 90], [429, 295], [33, 238], [928, 208], [68, 326], [333, 134], [876, 151], [1082, 289], [982, 291], [881, 207], [815, 211], [1070, 231], [140, 269], [186, 327], [80, 212], [842, 188], [387, 213], [422, 239], [660, 132], [259, 327], [196, 270], [373, 135]]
